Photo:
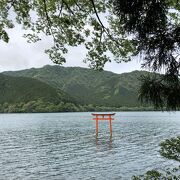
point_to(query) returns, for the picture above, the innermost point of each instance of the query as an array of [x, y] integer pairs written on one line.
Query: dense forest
[[69, 89]]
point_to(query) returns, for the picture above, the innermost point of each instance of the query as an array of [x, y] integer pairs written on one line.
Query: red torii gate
[[107, 116]]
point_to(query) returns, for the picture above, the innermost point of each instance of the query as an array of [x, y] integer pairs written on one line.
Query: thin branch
[[68, 7], [102, 25], [48, 20], [97, 15], [60, 9], [79, 7]]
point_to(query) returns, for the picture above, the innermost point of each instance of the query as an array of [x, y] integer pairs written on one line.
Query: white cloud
[[18, 54], [123, 66]]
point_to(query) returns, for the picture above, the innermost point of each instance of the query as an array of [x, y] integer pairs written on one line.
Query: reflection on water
[[104, 144], [64, 146]]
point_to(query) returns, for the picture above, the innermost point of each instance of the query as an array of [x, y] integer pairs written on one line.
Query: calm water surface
[[63, 145]]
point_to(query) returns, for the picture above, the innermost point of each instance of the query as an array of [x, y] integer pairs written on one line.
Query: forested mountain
[[24, 89], [87, 86]]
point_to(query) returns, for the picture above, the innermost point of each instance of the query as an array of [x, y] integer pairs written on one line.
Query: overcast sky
[[18, 54]]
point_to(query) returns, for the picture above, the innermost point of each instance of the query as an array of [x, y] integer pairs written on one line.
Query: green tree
[[155, 27], [29, 107], [170, 148], [1, 108]]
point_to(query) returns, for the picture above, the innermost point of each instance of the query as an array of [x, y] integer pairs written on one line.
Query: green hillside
[[23, 89], [88, 86]]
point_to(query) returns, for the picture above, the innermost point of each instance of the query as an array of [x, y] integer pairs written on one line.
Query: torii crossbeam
[[107, 116]]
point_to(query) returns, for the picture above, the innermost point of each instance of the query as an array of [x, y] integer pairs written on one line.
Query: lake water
[[63, 145]]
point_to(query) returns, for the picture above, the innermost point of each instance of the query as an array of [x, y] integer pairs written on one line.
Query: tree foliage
[[170, 174], [155, 26], [162, 91], [170, 148]]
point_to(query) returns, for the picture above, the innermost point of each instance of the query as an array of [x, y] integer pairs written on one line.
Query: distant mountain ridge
[[87, 86]]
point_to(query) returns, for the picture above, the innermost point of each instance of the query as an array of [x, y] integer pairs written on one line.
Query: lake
[[63, 145]]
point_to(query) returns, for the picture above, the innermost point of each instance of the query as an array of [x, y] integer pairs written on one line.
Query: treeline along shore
[[47, 107]]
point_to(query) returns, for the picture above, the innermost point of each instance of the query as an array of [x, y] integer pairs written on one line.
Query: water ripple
[[64, 146]]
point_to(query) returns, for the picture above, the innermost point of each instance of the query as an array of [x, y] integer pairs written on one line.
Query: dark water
[[63, 146]]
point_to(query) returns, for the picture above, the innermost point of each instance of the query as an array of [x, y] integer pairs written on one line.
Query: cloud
[[123, 66], [18, 54]]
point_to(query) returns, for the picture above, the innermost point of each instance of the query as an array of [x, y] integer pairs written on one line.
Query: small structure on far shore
[[107, 116]]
